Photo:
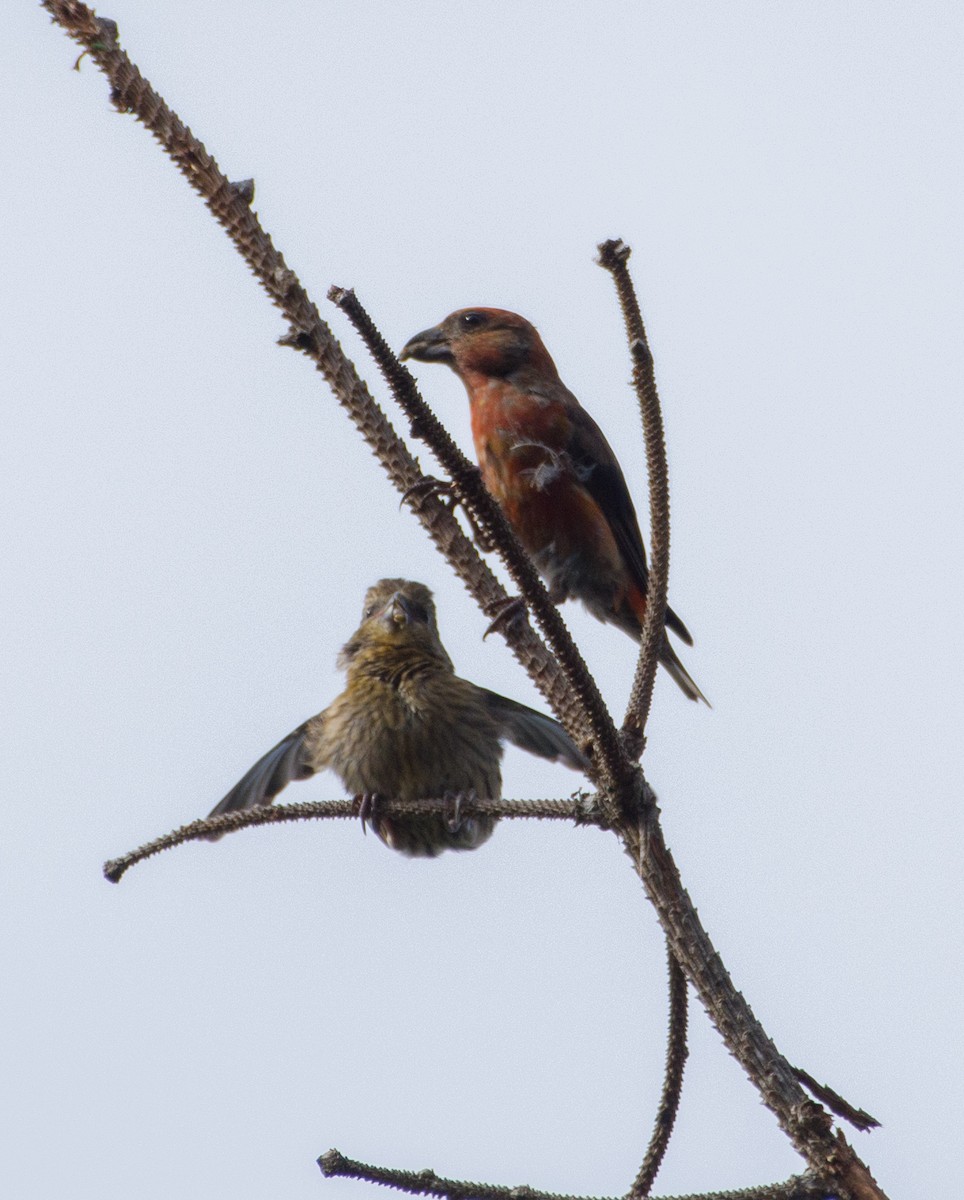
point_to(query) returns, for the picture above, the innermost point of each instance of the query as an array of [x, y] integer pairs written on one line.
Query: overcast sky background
[[189, 523]]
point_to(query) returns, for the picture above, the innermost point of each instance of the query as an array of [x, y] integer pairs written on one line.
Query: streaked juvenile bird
[[406, 727], [548, 464]]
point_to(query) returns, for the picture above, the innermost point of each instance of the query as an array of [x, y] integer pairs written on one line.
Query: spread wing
[[534, 731], [270, 774], [602, 477]]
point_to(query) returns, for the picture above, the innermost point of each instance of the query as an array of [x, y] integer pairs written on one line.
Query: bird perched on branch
[[548, 464], [406, 727]]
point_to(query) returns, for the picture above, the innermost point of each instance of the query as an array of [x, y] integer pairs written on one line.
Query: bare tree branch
[[131, 93], [614, 255], [581, 809], [676, 1054], [836, 1103], [202, 829], [806, 1123], [334, 1165], [745, 1038]]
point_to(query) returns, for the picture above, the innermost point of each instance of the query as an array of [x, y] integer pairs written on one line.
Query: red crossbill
[[406, 727], [548, 464]]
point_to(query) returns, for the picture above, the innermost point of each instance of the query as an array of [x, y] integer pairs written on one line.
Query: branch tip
[[612, 253], [331, 1163], [858, 1117]]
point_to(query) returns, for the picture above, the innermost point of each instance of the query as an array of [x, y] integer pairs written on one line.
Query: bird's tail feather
[[679, 674]]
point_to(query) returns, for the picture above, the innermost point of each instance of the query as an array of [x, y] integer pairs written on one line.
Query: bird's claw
[[453, 808], [507, 612], [368, 809], [446, 491], [428, 485]]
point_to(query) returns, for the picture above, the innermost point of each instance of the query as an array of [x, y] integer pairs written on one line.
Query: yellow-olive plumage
[[407, 727]]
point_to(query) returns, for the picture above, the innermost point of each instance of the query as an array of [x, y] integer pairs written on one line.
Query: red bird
[[550, 467]]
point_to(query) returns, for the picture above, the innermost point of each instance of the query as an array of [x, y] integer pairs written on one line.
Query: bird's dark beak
[[396, 611], [431, 345]]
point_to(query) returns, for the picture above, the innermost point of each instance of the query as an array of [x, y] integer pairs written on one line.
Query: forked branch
[[229, 203], [808, 1125]]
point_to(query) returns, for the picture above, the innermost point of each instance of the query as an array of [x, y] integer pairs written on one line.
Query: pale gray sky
[[189, 524]]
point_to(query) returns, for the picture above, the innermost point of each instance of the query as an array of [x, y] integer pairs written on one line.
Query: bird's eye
[[418, 611], [369, 612], [472, 320]]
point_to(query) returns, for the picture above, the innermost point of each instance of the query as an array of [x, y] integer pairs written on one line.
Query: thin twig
[[614, 255], [676, 1053], [836, 1103], [206, 827], [610, 756], [581, 809], [334, 1165]]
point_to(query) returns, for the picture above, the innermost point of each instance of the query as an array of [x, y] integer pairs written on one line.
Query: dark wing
[[270, 774], [534, 731], [602, 477]]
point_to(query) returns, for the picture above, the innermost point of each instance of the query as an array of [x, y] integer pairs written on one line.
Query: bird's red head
[[483, 341]]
